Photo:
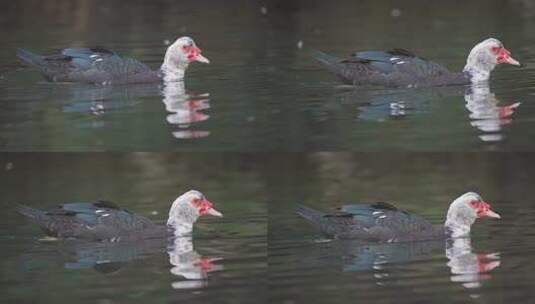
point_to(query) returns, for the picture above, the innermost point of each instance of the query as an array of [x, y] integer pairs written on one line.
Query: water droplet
[[395, 12]]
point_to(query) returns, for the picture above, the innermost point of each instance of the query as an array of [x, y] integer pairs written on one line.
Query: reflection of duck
[[485, 114], [108, 257], [99, 100], [111, 257], [187, 263], [185, 109], [467, 267], [360, 256], [382, 105], [387, 104]]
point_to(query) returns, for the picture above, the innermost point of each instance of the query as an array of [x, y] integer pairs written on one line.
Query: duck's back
[[380, 222], [96, 221], [90, 65], [394, 68]]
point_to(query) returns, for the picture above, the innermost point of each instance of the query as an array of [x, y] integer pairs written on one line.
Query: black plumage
[[378, 222], [90, 65], [100, 220], [394, 68]]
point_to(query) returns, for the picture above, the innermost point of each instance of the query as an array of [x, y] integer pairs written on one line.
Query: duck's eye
[[496, 49], [474, 204]]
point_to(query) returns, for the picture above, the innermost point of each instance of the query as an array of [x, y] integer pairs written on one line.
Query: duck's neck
[[477, 75], [181, 229], [173, 70], [171, 74], [458, 227], [478, 70]]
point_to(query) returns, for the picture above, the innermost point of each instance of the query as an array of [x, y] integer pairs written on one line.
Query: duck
[[106, 221], [385, 223], [99, 65], [402, 68]]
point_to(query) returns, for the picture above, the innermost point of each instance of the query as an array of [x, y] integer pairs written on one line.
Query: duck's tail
[[31, 213], [326, 59], [313, 216], [30, 58]]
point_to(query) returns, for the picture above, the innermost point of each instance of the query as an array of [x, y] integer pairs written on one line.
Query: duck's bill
[[503, 55], [492, 214], [511, 60], [201, 58], [214, 212]]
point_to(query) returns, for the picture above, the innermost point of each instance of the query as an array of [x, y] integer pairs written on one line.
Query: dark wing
[[401, 61], [95, 65], [344, 225], [397, 67], [397, 223], [60, 65], [100, 220]]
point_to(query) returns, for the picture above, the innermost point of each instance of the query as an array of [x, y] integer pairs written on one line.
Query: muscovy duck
[[401, 68], [105, 221], [383, 222], [101, 66]]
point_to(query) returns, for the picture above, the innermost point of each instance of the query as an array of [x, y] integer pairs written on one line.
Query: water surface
[[263, 91], [493, 266], [224, 261]]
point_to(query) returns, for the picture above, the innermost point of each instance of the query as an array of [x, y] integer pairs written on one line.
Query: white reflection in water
[[485, 114], [110, 257], [469, 268], [185, 110], [189, 265]]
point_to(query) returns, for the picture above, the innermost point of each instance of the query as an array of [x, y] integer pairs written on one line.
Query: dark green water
[[261, 250], [234, 126], [494, 266], [225, 262], [262, 92]]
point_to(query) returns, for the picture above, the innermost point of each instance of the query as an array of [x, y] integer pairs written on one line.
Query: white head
[[178, 57], [187, 208], [464, 211], [484, 57]]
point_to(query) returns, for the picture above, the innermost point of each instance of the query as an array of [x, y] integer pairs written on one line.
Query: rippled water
[[263, 91], [494, 266], [224, 261]]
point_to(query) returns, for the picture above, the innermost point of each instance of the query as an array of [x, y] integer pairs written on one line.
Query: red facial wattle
[[205, 207], [504, 56], [194, 54], [483, 209]]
